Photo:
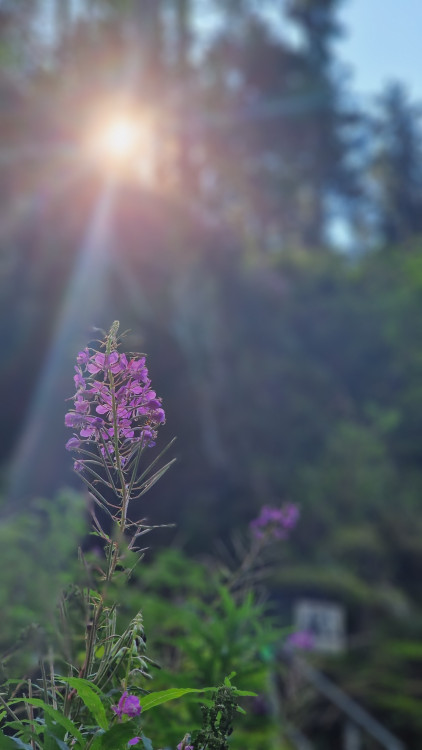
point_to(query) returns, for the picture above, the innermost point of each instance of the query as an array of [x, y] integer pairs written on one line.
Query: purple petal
[[102, 409], [72, 419], [72, 444], [130, 705], [82, 357]]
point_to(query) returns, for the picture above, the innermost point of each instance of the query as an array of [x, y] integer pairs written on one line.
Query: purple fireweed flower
[[72, 419], [275, 522], [290, 515], [114, 405], [302, 639], [107, 449], [78, 379], [136, 368], [83, 357], [72, 444], [160, 416], [81, 406], [92, 427], [128, 705], [78, 466], [134, 741], [103, 362]]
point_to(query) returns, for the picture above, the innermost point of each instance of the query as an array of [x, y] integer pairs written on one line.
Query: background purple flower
[[275, 522], [301, 639]]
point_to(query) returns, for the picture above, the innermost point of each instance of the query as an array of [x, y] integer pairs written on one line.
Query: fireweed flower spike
[[120, 392], [115, 417]]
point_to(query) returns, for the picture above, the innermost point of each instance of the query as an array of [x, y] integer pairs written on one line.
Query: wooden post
[[352, 736]]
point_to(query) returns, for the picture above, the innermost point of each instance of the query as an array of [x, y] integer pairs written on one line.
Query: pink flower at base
[[134, 741], [128, 705], [185, 743]]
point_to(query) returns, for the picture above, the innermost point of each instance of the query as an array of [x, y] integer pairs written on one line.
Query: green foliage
[[89, 694], [217, 721], [55, 715], [38, 560], [199, 632], [116, 738]]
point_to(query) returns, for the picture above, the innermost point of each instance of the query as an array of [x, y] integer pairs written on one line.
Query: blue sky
[[383, 43]]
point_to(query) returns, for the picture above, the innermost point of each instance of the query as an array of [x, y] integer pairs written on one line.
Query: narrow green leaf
[[242, 693], [49, 742], [90, 696], [59, 743], [156, 460], [21, 725], [146, 742], [163, 696], [152, 480], [81, 681], [98, 498], [12, 743], [53, 735]]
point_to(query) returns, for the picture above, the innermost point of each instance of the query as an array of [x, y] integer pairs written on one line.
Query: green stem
[[52, 682], [31, 715], [12, 713], [44, 680], [123, 489]]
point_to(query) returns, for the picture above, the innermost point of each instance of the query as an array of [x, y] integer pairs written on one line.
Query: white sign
[[325, 621]]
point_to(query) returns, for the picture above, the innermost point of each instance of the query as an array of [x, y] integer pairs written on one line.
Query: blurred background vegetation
[[263, 244]]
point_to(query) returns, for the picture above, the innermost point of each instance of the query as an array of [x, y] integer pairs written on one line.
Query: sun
[[119, 139]]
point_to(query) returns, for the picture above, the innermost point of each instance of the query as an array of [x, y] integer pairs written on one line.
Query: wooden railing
[[357, 723]]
